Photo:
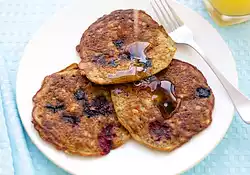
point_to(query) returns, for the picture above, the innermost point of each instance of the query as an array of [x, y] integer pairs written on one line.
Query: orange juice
[[227, 12], [232, 7]]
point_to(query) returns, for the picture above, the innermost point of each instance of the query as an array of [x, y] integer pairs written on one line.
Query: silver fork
[[181, 34]]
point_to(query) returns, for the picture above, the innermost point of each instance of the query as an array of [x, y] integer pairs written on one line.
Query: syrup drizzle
[[137, 51], [131, 71], [139, 60], [163, 95]]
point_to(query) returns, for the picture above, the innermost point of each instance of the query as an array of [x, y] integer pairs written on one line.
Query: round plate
[[53, 48]]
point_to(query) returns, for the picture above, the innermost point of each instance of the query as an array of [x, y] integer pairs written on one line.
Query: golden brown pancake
[[124, 46], [166, 110], [77, 116]]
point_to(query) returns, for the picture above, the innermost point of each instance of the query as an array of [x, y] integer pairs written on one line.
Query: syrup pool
[[138, 58], [163, 95]]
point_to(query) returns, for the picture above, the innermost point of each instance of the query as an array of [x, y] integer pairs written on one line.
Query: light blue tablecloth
[[20, 19]]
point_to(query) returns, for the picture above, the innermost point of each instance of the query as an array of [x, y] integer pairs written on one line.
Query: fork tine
[[176, 17], [162, 18], [170, 17], [158, 16]]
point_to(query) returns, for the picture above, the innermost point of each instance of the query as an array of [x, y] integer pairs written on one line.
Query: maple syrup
[[163, 94], [139, 61]]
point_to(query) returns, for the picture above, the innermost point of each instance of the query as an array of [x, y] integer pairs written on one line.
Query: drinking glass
[[228, 12]]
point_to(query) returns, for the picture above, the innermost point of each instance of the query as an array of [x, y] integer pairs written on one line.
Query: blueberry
[[105, 139], [99, 106], [90, 112], [102, 105], [203, 92], [79, 94], [160, 130], [113, 63], [55, 108], [100, 59], [148, 64], [118, 43], [74, 120], [125, 56]]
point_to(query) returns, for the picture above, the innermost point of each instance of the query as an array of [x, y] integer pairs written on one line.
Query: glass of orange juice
[[228, 12]]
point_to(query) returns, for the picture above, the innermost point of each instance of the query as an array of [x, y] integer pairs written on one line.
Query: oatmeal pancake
[[124, 46], [166, 110], [77, 116]]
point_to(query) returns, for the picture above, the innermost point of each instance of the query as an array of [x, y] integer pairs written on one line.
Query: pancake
[[124, 46], [166, 110], [77, 116]]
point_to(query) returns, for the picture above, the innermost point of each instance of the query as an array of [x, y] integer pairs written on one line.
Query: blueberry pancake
[[77, 116], [124, 46], [166, 110]]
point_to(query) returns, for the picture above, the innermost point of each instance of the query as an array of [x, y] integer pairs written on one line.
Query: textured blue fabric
[[18, 22]]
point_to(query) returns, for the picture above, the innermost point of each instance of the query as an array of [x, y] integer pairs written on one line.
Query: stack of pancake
[[127, 84]]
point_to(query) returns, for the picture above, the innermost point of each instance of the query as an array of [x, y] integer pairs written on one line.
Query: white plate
[[53, 48]]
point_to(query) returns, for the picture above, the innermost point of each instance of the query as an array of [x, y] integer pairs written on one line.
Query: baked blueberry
[[203, 92], [55, 108], [118, 43], [79, 94], [74, 120]]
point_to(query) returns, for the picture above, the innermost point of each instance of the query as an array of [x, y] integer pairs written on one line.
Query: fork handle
[[240, 102]]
